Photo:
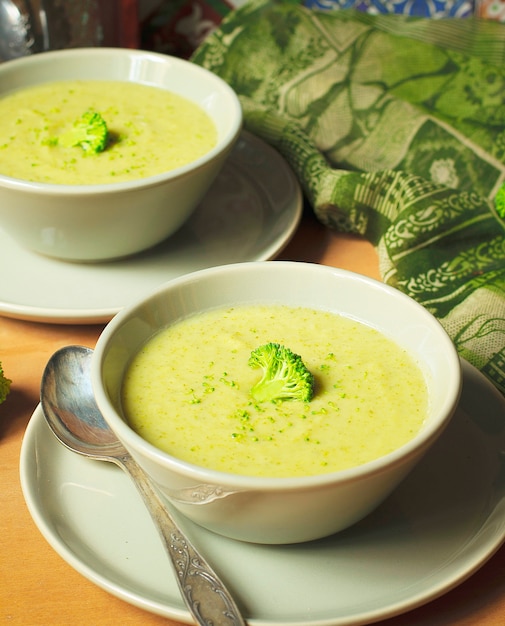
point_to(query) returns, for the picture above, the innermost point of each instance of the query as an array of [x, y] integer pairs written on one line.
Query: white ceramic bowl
[[279, 510], [106, 221]]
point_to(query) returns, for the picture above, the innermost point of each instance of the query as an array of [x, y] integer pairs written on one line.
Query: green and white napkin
[[395, 128]]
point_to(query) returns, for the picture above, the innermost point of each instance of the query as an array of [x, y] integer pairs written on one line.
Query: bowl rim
[[411, 449], [223, 146]]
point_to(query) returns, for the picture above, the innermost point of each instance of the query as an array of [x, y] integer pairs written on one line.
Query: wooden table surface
[[37, 587]]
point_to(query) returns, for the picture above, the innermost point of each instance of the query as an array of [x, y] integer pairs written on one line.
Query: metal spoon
[[70, 410]]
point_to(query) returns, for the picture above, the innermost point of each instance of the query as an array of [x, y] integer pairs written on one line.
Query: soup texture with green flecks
[[188, 392], [151, 130]]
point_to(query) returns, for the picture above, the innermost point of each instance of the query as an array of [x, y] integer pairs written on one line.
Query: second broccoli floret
[[89, 132], [285, 376], [5, 385]]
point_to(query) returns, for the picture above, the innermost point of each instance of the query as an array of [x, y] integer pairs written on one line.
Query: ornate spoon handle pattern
[[205, 595]]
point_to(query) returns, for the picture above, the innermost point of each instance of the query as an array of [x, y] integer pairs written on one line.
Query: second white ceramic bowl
[[279, 510]]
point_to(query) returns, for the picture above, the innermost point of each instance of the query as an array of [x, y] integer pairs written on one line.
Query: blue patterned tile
[[418, 8]]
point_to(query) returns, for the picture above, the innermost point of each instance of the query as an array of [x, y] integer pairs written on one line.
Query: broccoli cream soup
[[188, 392], [151, 130]]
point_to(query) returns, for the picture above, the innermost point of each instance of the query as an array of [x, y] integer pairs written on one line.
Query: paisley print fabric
[[395, 129]]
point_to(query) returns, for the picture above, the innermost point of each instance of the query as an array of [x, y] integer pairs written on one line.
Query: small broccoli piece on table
[[499, 202], [5, 385], [285, 376], [89, 132]]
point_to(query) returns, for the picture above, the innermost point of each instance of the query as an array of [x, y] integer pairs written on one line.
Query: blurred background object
[[413, 8], [31, 26], [491, 9], [178, 27], [175, 27]]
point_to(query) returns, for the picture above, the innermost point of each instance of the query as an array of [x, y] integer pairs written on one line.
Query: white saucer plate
[[250, 213], [443, 523]]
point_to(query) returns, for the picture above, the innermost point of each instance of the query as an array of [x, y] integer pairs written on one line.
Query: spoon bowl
[[69, 408]]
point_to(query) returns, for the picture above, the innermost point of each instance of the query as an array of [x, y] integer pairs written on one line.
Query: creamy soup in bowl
[[151, 130], [188, 392]]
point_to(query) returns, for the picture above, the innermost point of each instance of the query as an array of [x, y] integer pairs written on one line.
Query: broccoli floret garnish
[[5, 385], [285, 376], [89, 132], [499, 202]]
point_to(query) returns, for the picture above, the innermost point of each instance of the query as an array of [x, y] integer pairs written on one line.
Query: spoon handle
[[208, 600]]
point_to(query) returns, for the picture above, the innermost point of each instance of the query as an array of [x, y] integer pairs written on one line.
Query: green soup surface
[[151, 130], [188, 392]]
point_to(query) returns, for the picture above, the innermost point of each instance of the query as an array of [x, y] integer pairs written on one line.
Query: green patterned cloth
[[395, 128]]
